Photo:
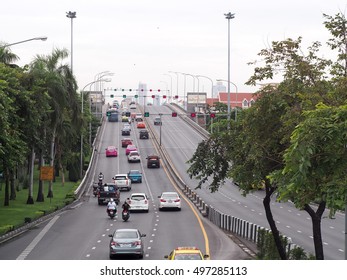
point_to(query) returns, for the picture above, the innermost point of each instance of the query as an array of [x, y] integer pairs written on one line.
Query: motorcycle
[[125, 215], [95, 189], [111, 213]]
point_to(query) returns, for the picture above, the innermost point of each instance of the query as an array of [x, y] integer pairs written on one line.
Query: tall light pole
[[32, 39], [229, 82], [71, 15], [229, 16]]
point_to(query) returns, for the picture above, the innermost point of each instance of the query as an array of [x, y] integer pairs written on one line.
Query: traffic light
[[153, 96], [212, 115], [193, 115], [136, 96], [164, 96], [174, 114], [108, 113], [124, 96], [176, 96], [111, 95], [146, 114]]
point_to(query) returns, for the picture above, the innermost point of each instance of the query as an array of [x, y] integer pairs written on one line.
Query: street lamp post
[[177, 80], [229, 16], [71, 15], [229, 82], [32, 39], [211, 83], [186, 74], [170, 84], [82, 111]]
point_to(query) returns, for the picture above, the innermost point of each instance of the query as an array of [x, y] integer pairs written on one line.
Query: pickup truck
[[122, 181], [108, 191]]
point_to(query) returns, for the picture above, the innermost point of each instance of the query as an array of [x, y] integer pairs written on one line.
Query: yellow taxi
[[186, 253]]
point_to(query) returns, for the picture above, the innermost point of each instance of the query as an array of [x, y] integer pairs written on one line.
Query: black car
[[144, 134], [153, 161], [126, 131]]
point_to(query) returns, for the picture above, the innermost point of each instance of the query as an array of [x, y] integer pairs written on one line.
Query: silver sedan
[[169, 200], [127, 242]]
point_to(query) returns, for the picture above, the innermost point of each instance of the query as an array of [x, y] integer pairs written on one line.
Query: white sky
[[141, 40]]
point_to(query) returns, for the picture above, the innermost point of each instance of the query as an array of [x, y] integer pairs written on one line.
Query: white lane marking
[[37, 239]]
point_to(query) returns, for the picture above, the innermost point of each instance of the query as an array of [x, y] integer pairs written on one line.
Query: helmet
[[111, 200]]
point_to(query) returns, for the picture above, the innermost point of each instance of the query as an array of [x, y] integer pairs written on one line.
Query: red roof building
[[241, 99]]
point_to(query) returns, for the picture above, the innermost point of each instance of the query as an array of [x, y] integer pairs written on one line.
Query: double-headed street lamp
[[32, 39]]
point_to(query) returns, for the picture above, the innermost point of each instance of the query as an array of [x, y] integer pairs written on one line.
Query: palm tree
[[7, 57], [61, 87]]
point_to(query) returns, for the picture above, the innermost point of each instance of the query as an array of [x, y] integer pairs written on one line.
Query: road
[[81, 231], [181, 141]]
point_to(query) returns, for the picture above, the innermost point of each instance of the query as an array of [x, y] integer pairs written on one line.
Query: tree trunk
[[316, 228], [40, 193], [7, 191], [30, 199], [266, 202], [50, 185], [13, 186]]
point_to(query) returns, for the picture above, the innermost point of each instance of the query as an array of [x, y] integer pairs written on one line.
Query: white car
[[134, 156], [122, 181], [132, 106], [169, 200], [139, 202]]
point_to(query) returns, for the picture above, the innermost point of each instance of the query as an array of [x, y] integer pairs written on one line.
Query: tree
[[315, 166], [61, 87]]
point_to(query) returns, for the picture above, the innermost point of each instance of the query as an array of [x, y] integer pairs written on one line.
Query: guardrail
[[230, 224]]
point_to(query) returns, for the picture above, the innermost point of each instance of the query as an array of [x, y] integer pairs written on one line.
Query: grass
[[14, 215]]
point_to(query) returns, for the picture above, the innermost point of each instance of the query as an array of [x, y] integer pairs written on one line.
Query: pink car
[[111, 151], [130, 148]]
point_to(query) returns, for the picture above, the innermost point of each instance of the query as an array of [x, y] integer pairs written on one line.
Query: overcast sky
[[141, 40]]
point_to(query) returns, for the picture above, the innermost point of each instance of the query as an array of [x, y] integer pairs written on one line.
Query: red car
[[141, 125], [130, 148], [126, 142], [111, 151]]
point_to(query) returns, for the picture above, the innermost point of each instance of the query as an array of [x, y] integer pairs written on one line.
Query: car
[[186, 253], [132, 106], [127, 126], [141, 125], [153, 161], [135, 176], [134, 156], [139, 202], [144, 134], [130, 148], [127, 241], [169, 200], [122, 181], [126, 142], [139, 117], [126, 131], [125, 119], [111, 151], [157, 121]]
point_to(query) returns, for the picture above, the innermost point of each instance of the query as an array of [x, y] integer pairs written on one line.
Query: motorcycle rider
[[126, 205], [101, 177], [111, 206]]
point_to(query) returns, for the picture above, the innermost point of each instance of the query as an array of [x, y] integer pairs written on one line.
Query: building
[[242, 100]]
